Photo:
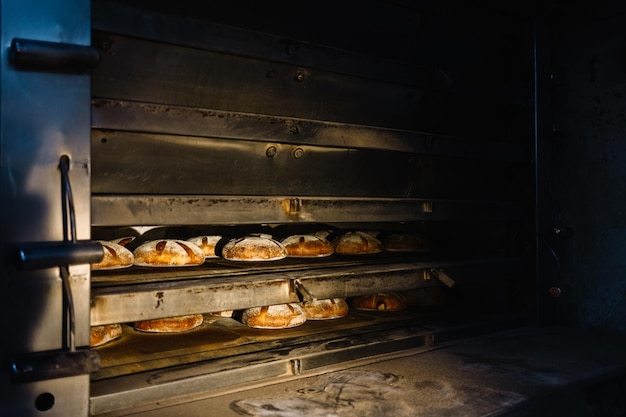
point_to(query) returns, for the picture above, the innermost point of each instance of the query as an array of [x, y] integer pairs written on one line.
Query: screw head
[[298, 153], [271, 151]]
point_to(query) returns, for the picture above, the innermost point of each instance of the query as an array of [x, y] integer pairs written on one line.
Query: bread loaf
[[357, 243], [278, 316], [170, 324], [305, 246], [123, 240], [224, 313], [385, 301], [330, 308], [254, 248], [100, 335], [168, 252], [207, 244], [115, 257]]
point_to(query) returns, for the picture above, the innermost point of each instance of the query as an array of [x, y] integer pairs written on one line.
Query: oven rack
[[242, 358], [148, 293]]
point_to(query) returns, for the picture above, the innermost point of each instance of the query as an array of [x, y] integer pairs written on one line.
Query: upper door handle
[[26, 54]]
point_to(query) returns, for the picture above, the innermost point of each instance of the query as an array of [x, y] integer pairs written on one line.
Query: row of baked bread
[[278, 316], [257, 247]]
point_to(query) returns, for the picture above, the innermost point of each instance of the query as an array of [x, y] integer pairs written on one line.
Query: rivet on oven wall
[[270, 73], [299, 77], [427, 206], [271, 151], [298, 153], [103, 140]]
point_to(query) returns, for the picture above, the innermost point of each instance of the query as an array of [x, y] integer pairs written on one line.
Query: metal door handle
[[26, 54]]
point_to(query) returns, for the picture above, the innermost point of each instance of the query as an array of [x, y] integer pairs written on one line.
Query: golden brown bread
[[115, 257], [357, 243], [170, 324], [168, 252], [99, 335], [384, 301], [207, 244], [123, 240], [304, 246], [330, 308], [254, 248], [224, 313], [406, 242], [278, 316]]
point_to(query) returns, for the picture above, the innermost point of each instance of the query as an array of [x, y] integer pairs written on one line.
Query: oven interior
[[214, 121], [492, 131]]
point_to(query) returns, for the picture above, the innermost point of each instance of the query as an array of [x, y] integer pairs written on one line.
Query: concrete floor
[[520, 372]]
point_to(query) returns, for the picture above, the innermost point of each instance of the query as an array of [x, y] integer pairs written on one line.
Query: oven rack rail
[[176, 210], [145, 293]]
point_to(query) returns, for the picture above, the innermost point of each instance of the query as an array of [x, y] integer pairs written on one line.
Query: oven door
[[44, 143]]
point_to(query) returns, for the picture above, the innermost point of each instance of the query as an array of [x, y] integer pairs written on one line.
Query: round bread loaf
[[278, 316], [225, 313], [254, 248], [100, 335], [207, 244], [406, 242], [329, 308], [115, 256], [357, 243], [306, 246], [123, 240], [170, 324], [168, 252], [385, 301]]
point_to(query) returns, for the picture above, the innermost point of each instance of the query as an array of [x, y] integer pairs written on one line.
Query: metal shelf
[[151, 210], [124, 298]]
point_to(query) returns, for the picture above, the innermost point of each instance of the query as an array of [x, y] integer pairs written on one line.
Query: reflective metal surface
[[44, 115]]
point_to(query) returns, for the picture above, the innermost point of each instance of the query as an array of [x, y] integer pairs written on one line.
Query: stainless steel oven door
[[45, 99]]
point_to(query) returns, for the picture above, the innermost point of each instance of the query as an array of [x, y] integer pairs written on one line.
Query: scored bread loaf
[[168, 252], [254, 248], [123, 240], [100, 335], [305, 246], [383, 301], [115, 256], [170, 324], [207, 244], [357, 243], [325, 309], [277, 316]]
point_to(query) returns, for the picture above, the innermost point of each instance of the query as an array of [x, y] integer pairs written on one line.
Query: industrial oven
[[167, 120]]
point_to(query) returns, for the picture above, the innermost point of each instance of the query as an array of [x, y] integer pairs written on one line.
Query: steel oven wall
[[45, 114]]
